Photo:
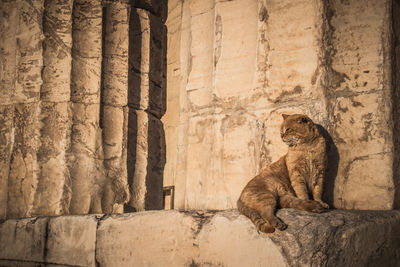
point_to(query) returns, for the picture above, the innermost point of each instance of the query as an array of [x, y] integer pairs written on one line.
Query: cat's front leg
[[299, 185], [317, 190]]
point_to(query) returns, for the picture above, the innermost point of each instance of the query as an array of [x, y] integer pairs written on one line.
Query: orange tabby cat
[[288, 181]]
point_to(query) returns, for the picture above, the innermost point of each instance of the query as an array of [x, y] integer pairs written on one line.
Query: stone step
[[203, 238]]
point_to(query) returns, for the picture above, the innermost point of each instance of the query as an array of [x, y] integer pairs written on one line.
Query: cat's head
[[297, 129]]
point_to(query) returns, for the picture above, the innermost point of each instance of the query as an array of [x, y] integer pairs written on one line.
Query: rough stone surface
[[359, 91], [235, 66], [23, 240], [71, 240], [115, 99], [67, 71], [203, 238]]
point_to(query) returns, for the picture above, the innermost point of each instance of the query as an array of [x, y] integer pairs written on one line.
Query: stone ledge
[[202, 238]]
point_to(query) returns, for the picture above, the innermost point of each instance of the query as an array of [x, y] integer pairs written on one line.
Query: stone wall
[[235, 66], [172, 238], [81, 96]]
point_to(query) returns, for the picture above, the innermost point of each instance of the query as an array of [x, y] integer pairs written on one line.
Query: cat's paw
[[314, 206], [280, 225], [266, 228], [325, 205]]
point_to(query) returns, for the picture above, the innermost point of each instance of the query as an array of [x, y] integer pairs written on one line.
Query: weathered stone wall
[[172, 238], [82, 83], [235, 66]]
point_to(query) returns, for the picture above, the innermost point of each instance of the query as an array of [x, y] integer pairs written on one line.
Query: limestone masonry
[[199, 238], [118, 106], [235, 66]]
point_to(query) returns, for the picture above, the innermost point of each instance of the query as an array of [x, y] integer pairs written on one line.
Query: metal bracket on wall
[[168, 197]]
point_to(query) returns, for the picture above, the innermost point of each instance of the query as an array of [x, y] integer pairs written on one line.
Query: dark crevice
[[103, 62], [46, 239], [99, 221], [134, 53]]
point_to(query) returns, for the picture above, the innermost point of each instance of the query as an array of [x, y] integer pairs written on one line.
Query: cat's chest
[[309, 162]]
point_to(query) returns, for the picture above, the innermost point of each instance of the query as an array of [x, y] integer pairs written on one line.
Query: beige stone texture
[[24, 169], [67, 71], [29, 59], [86, 52], [23, 240], [361, 124], [57, 28], [8, 47], [230, 97], [85, 167], [228, 240], [71, 240], [52, 195], [116, 49], [201, 238], [115, 99], [234, 67], [136, 248], [84, 159]]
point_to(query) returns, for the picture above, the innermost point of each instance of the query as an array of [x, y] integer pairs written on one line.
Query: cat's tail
[[255, 217]]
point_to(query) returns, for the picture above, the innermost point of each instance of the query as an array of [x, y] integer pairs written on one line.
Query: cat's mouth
[[289, 141]]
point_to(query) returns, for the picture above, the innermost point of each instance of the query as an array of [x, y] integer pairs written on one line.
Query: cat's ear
[[285, 116]]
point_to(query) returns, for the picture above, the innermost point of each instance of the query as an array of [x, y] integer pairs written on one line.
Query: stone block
[[145, 239], [235, 48], [23, 240], [57, 28], [72, 240], [362, 136], [228, 239], [29, 51], [292, 35], [359, 44], [199, 25], [223, 155]]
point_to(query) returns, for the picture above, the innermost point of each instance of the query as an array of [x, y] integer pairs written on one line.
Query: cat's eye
[[288, 130], [302, 120]]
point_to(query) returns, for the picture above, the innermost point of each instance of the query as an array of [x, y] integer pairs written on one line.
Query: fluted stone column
[[147, 104], [24, 169], [8, 45], [86, 153], [54, 188], [114, 104]]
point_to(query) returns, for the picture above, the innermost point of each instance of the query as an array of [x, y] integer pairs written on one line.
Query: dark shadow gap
[[134, 53], [333, 164]]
